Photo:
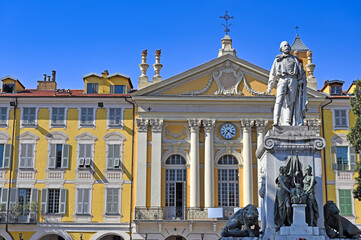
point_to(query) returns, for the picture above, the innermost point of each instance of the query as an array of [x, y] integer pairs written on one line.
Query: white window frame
[[56, 137], [347, 109], [22, 125], [85, 138], [27, 138], [119, 201], [6, 124], [51, 117], [90, 200], [4, 139], [121, 125], [340, 140], [114, 138], [94, 119]]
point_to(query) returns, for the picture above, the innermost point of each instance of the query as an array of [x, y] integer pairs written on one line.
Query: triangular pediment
[[224, 76]]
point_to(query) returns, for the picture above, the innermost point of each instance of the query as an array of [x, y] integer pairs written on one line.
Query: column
[[208, 163], [141, 190], [156, 170], [194, 125], [261, 126], [247, 162]]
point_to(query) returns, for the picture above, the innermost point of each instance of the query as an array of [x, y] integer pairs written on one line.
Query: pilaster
[[156, 170]]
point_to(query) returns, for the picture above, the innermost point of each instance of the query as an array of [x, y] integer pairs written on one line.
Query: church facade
[[197, 134]]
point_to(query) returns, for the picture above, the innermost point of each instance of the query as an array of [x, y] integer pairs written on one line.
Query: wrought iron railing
[[148, 214], [25, 217]]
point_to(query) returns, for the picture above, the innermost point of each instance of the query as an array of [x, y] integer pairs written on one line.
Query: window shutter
[[118, 116], [90, 116], [110, 156], [30, 156], [4, 196], [22, 155], [52, 156], [79, 204], [115, 200], [352, 158], [109, 201], [82, 115], [7, 155], [13, 193], [44, 200], [333, 155], [111, 116], [334, 166], [34, 195], [65, 157], [61, 115], [86, 200], [88, 152], [62, 202]]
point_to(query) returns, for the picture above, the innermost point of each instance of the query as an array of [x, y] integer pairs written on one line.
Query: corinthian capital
[[142, 124], [156, 124], [209, 124], [261, 124], [194, 124], [247, 124]]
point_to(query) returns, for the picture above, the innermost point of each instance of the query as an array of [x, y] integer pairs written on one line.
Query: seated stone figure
[[298, 196], [336, 225], [246, 217]]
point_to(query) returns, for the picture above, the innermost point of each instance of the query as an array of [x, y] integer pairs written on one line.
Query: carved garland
[[216, 75], [175, 135]]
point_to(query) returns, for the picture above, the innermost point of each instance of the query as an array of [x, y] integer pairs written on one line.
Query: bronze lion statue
[[336, 225], [239, 225]]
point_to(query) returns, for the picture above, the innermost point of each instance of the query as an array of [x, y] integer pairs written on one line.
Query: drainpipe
[[131, 175], [11, 168], [324, 152]]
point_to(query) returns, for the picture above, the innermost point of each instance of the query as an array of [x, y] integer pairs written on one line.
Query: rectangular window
[[85, 155], [87, 117], [58, 117], [345, 202], [53, 200], [59, 156], [27, 155], [117, 89], [112, 202], [115, 117], [341, 118], [336, 90], [114, 160], [92, 88], [342, 158], [83, 199], [8, 88], [24, 197], [3, 115], [29, 116]]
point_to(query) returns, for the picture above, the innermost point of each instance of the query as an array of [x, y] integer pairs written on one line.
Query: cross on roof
[[226, 26], [297, 27]]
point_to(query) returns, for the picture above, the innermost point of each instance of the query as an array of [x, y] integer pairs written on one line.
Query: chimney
[[47, 84], [157, 67], [143, 80], [53, 73], [105, 74], [310, 68]]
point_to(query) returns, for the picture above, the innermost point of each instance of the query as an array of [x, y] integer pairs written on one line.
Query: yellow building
[[340, 157], [197, 133], [66, 159]]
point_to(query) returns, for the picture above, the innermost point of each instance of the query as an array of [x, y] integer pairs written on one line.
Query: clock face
[[228, 131]]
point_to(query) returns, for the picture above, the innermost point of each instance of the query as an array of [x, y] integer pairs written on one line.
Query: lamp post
[[202, 236], [20, 236], [81, 236]]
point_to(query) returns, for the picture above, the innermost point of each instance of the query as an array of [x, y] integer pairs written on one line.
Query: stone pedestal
[[279, 144]]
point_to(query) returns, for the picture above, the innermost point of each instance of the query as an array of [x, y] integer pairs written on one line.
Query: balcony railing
[[26, 217], [178, 214]]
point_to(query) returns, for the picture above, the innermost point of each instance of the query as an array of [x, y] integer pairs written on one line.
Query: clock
[[228, 131]]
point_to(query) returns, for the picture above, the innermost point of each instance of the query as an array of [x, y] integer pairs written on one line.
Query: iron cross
[[226, 26], [297, 27]]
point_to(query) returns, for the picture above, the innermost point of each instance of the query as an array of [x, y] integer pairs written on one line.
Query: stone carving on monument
[[290, 78], [338, 226], [244, 223]]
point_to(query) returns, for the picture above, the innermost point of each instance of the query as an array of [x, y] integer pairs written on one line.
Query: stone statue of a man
[[291, 98]]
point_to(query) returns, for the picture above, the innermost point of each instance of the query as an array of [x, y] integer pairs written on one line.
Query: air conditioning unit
[[81, 162], [116, 162], [88, 162]]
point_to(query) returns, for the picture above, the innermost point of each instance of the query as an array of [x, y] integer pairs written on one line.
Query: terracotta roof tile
[[51, 93]]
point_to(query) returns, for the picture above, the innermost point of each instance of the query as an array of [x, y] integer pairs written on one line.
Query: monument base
[[240, 238]]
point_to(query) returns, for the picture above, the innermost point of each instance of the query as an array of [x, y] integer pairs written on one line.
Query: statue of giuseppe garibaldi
[[291, 98]]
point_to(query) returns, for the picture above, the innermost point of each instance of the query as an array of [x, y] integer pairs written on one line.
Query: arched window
[[175, 187], [228, 195]]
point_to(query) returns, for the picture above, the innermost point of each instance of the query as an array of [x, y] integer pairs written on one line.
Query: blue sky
[[78, 37]]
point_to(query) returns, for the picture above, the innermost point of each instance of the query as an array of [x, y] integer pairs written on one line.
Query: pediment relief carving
[[228, 77]]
